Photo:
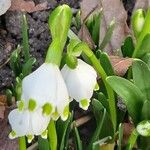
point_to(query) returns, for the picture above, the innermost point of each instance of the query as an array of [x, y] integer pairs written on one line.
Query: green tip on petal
[[84, 104], [20, 105], [55, 115], [47, 109], [30, 138], [143, 128], [31, 105], [12, 135], [96, 88], [44, 134], [65, 114]]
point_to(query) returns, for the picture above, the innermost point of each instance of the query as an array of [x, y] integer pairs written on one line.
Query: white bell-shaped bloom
[[80, 82], [28, 123], [45, 87], [4, 6]]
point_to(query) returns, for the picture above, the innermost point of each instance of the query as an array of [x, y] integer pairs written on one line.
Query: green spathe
[[137, 21], [59, 23]]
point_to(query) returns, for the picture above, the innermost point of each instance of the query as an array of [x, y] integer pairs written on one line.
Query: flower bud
[[59, 23], [137, 21]]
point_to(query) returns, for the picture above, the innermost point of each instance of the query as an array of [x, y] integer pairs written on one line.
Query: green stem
[[52, 135], [54, 53], [22, 143], [102, 74], [145, 30], [132, 139]]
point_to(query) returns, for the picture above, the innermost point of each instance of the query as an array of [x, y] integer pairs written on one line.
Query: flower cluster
[[46, 94]]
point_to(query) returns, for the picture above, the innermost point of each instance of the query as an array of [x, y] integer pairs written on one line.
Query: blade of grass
[[77, 136], [120, 136], [25, 42]]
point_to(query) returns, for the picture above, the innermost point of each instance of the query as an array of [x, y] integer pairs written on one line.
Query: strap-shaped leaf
[[106, 64], [128, 47], [77, 137], [145, 110], [131, 95], [145, 46], [141, 77], [43, 144]]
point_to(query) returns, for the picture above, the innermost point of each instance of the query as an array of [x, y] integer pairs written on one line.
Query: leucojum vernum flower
[[47, 92]]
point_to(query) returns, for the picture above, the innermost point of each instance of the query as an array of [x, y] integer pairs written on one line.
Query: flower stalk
[[22, 143], [52, 135], [102, 74]]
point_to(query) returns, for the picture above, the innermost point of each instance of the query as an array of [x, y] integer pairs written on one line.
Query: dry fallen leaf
[[112, 9], [3, 104], [27, 6], [5, 142], [142, 4], [85, 36], [120, 65], [127, 130]]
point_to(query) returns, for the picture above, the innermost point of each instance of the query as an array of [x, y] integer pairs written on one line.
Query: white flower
[[4, 6], [28, 123], [143, 128], [80, 82], [46, 88]]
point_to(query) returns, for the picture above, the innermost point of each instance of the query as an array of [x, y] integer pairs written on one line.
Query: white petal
[[4, 6], [62, 95], [19, 121], [38, 122], [40, 85], [80, 81]]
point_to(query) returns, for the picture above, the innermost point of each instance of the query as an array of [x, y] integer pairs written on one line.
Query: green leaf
[[43, 144], [120, 136], [77, 137], [18, 88], [9, 97], [145, 46], [102, 98], [106, 64], [25, 38], [93, 24], [141, 77], [15, 62], [107, 36], [146, 59], [145, 111], [97, 132], [97, 109], [131, 95], [63, 128], [96, 28], [27, 67], [128, 47], [132, 140]]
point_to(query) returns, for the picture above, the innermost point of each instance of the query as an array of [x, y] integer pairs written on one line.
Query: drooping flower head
[[45, 88], [81, 82], [28, 123], [43, 93]]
